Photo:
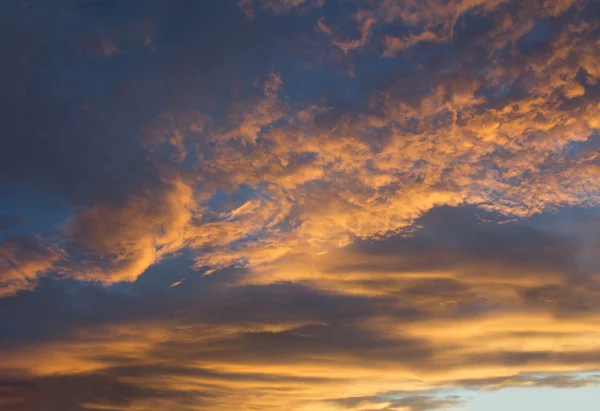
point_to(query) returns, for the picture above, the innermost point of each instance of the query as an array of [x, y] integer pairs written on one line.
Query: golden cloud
[[349, 292]]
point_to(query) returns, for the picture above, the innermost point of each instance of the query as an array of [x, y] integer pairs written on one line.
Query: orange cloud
[[351, 293], [123, 241], [451, 144], [23, 261]]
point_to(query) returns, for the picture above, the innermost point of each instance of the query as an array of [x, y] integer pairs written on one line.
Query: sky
[[299, 205]]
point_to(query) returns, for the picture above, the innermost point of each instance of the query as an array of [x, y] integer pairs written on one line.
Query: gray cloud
[[364, 204]]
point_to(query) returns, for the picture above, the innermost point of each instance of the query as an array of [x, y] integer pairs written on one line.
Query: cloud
[[282, 364], [400, 202], [395, 323], [449, 137], [23, 261], [459, 138], [85, 392], [104, 47], [443, 22], [398, 402], [177, 283], [554, 381], [278, 6], [124, 241], [462, 137]]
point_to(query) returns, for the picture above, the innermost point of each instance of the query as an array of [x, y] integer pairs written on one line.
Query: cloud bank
[[300, 205]]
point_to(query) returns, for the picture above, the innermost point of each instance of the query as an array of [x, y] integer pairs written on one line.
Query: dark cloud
[[85, 392], [296, 204]]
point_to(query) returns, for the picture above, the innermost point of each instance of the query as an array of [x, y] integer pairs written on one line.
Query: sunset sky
[[299, 205]]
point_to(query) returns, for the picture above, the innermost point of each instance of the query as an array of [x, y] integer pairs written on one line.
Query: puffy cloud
[[121, 242], [444, 21], [491, 138], [378, 227], [495, 138]]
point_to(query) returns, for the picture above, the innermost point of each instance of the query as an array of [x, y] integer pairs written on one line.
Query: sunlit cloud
[[298, 204], [23, 261]]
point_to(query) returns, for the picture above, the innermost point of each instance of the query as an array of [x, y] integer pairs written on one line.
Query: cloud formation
[[23, 261], [298, 205]]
